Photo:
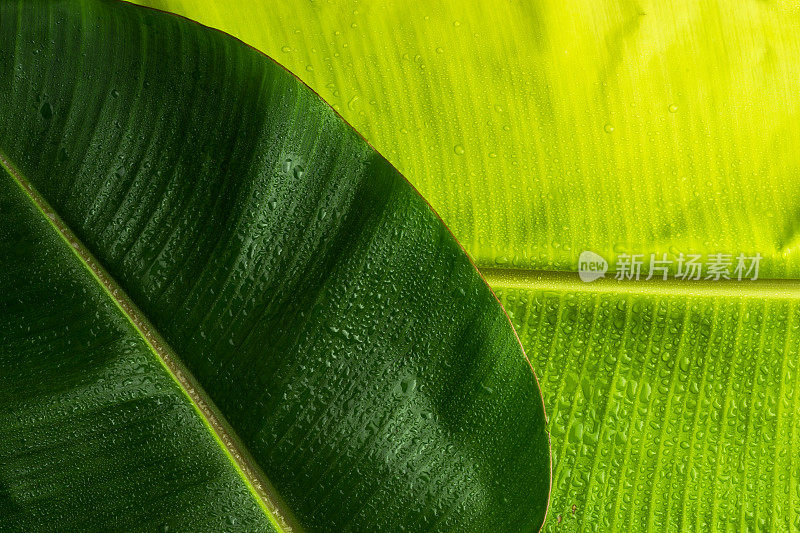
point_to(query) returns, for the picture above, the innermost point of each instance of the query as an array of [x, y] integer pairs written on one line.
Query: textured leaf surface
[[367, 371], [96, 433], [542, 129], [668, 412]]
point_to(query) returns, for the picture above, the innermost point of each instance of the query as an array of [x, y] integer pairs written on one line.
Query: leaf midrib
[[259, 486], [566, 281]]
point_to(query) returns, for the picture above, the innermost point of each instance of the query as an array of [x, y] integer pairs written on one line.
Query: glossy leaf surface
[[366, 370], [539, 130], [96, 434], [670, 408]]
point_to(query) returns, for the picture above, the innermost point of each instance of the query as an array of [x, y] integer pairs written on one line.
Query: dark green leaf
[[221, 215]]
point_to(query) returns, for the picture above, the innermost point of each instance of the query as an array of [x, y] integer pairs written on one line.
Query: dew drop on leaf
[[46, 111], [407, 385]]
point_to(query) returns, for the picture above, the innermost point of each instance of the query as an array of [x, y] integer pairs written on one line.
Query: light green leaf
[[171, 197], [671, 408], [542, 129]]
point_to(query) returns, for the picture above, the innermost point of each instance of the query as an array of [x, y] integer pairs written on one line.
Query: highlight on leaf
[[223, 310], [543, 130]]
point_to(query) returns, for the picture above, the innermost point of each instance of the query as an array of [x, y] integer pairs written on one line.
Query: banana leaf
[[221, 309], [541, 130]]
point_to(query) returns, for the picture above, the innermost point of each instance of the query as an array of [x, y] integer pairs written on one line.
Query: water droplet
[[287, 165], [286, 49], [458, 149], [114, 93], [407, 385], [609, 128], [310, 68], [673, 108], [352, 103], [299, 172], [576, 432], [46, 111], [440, 50], [457, 23]]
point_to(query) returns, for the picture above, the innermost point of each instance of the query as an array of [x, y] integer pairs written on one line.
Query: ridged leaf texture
[[221, 309], [542, 129]]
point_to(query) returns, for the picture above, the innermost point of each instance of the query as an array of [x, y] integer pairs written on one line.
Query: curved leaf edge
[[222, 432], [436, 214]]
